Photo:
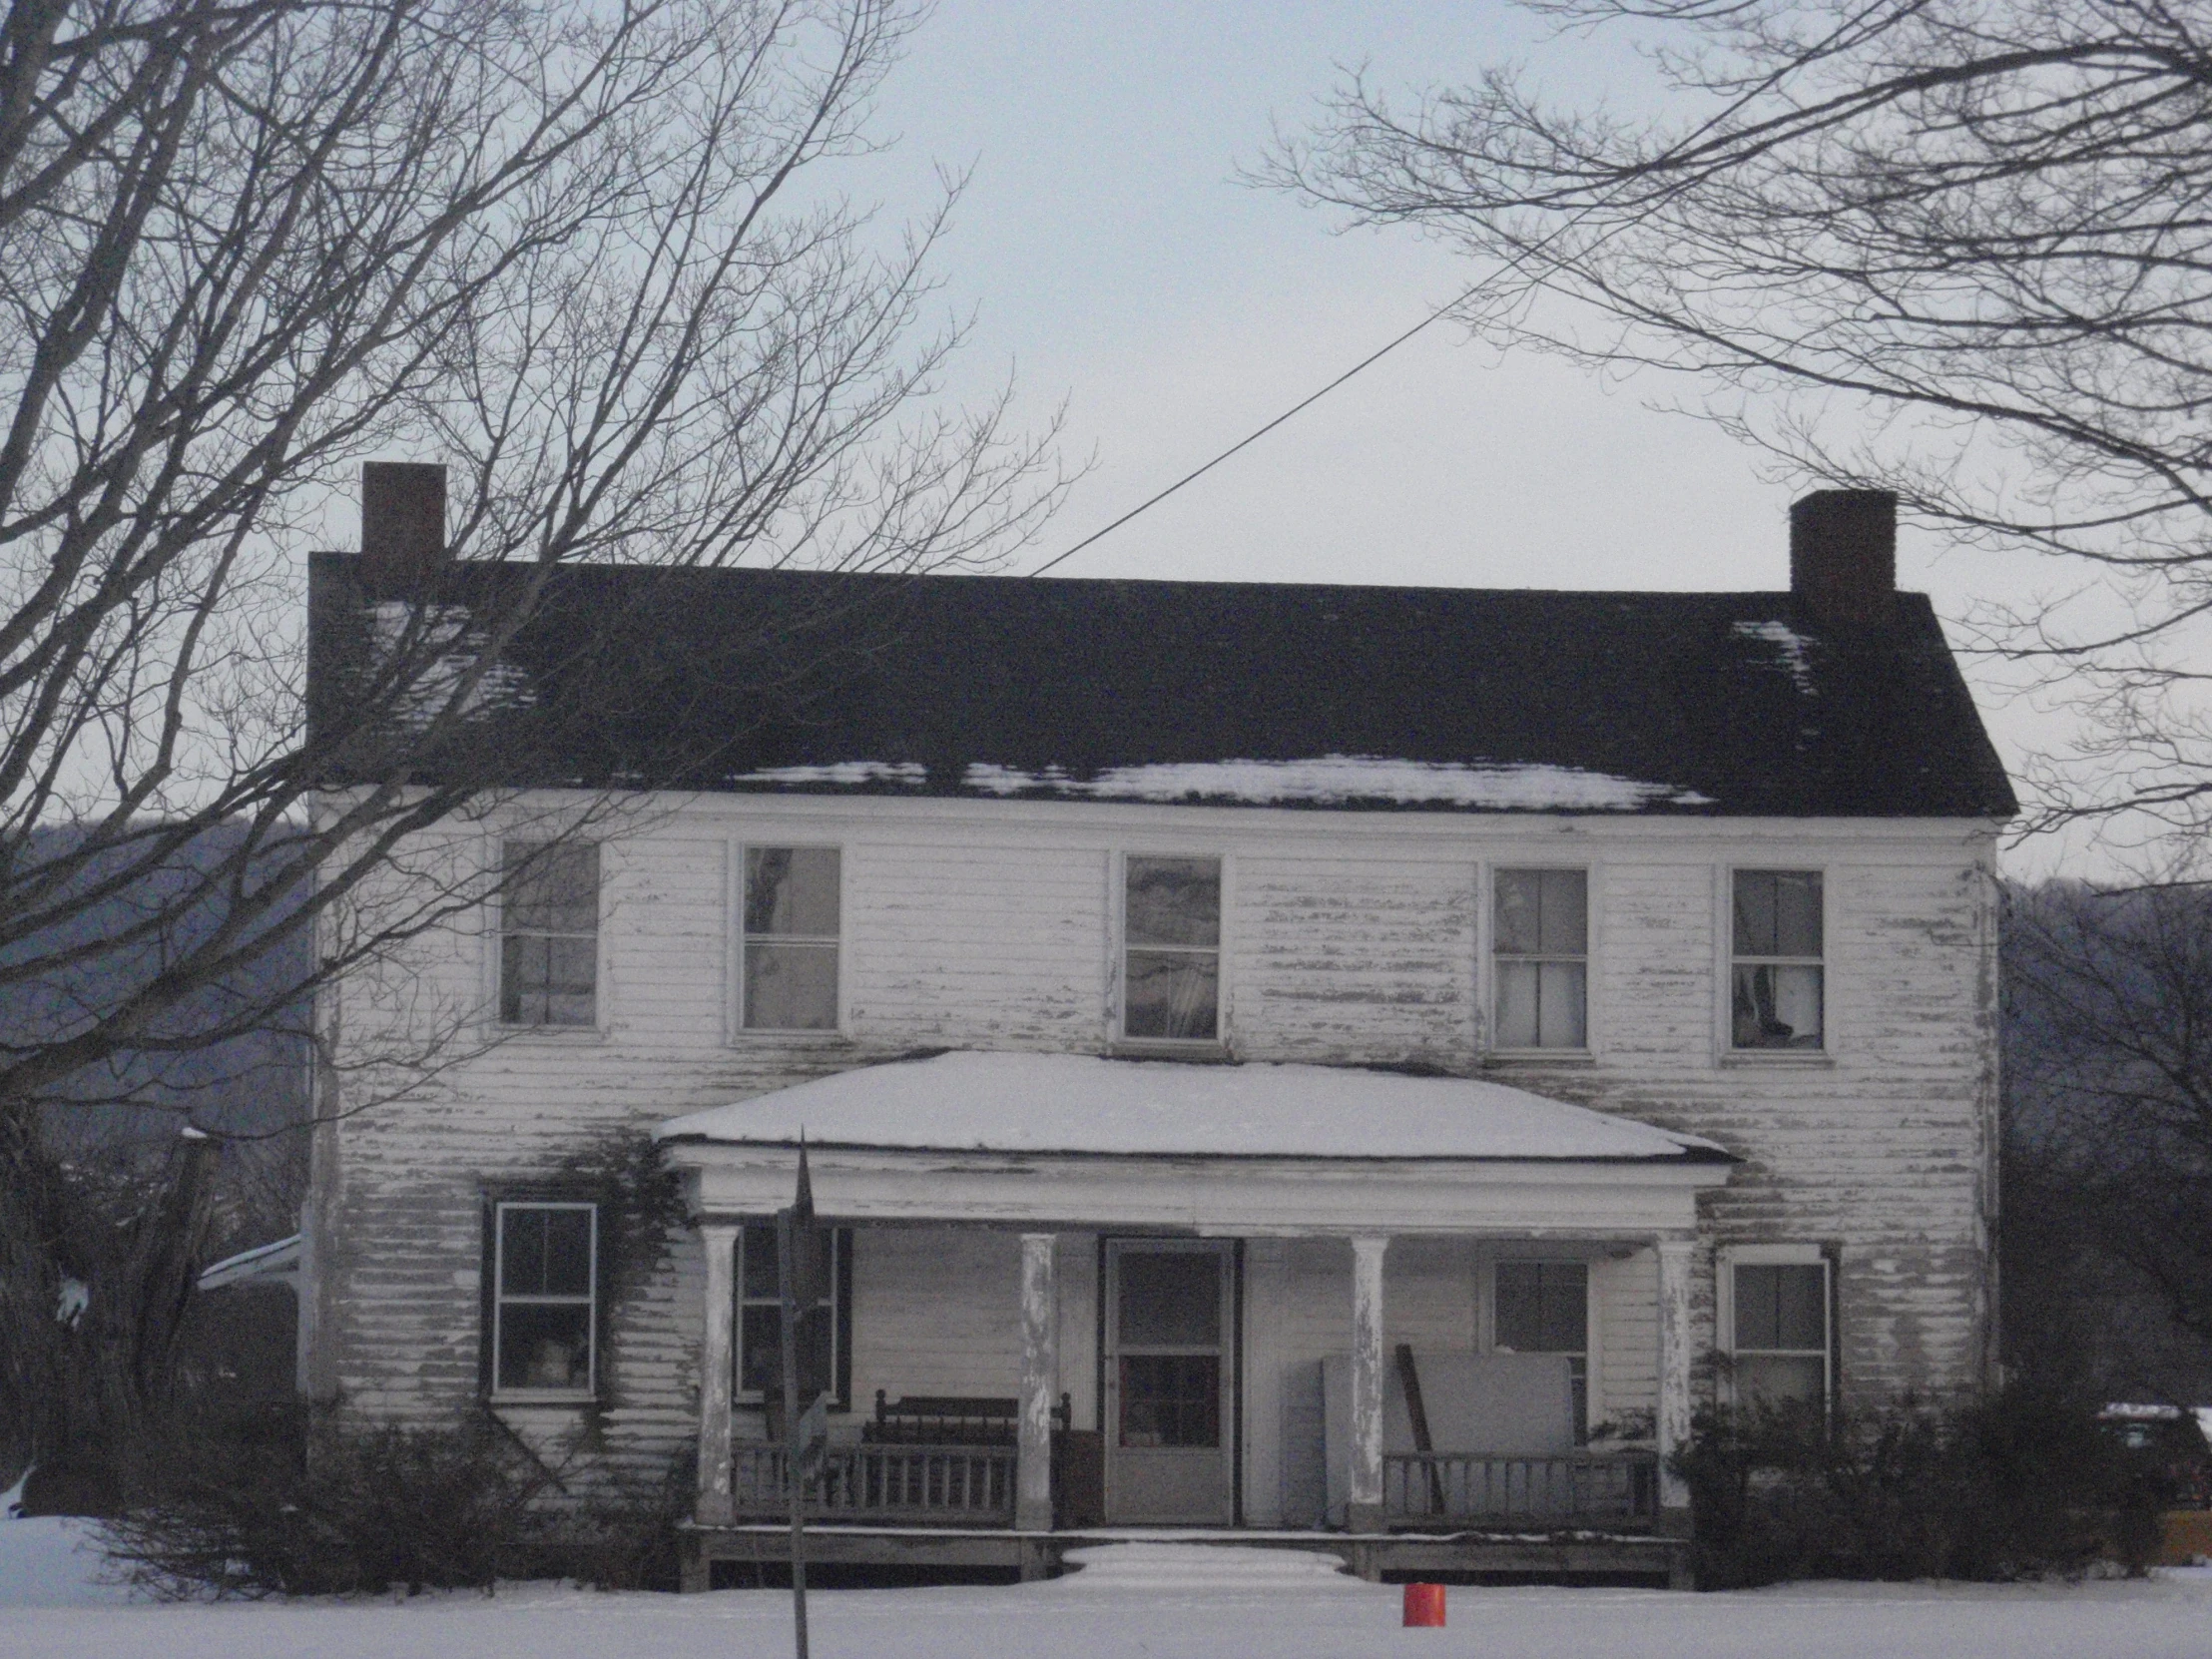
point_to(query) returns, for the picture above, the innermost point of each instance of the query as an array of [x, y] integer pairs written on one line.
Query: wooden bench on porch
[[924, 1459]]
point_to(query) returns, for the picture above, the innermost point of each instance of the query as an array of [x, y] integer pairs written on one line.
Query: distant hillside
[[246, 1084]]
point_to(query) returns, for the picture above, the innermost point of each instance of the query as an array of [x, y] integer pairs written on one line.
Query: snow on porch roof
[[1079, 1103]]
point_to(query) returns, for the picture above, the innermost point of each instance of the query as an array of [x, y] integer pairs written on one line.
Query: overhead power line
[[1254, 436]]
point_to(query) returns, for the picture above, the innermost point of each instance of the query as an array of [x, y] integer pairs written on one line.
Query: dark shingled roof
[[1717, 704]]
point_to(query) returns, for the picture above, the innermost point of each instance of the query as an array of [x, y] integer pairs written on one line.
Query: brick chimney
[[1844, 557], [402, 523]]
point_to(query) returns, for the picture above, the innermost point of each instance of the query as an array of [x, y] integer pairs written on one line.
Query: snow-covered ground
[[1157, 1601]]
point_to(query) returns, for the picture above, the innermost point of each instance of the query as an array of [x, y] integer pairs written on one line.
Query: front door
[[1168, 1382]]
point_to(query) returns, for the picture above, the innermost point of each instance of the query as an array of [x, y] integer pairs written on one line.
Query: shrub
[[275, 1504], [2020, 1483]]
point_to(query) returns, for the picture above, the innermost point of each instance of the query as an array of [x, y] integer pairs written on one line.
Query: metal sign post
[[805, 1431]]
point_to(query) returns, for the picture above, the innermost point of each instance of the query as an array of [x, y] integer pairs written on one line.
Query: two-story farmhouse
[[1273, 1057]]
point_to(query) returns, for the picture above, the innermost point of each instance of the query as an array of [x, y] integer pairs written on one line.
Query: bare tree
[[2108, 1138], [1952, 249], [597, 256]]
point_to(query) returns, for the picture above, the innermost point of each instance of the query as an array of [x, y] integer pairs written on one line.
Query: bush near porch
[[280, 1503], [2021, 1484]]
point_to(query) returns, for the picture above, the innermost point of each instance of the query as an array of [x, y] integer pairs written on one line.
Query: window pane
[[1777, 1007], [1559, 994], [1563, 925], [791, 987], [1778, 912], [545, 1346], [791, 889], [1777, 1378], [760, 1265], [567, 1252], [1543, 1307], [1170, 1299], [1782, 1306], [1797, 918], [1517, 1024], [1174, 901], [521, 1252], [551, 889], [1171, 994], [1170, 1400], [760, 1349], [1519, 911]]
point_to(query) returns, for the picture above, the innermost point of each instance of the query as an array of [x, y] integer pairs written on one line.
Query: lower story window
[[1780, 1339], [545, 1298], [824, 1330], [1545, 1307]]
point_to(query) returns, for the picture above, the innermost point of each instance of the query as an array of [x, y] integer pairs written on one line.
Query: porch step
[[1205, 1566]]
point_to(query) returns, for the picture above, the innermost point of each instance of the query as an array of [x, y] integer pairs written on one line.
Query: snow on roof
[[1338, 780], [1080, 1103]]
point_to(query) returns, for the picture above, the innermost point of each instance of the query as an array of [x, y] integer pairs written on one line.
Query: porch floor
[[1462, 1554]]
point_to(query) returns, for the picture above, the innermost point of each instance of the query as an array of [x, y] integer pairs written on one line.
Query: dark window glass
[[1171, 986], [544, 1296], [792, 891], [760, 1323], [1175, 902], [549, 935], [1778, 912], [1543, 1307], [1782, 1308], [1777, 1003], [792, 921], [1170, 1300], [1170, 1400]]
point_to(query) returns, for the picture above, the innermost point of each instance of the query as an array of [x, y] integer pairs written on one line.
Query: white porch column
[[1040, 1371], [1365, 1509], [1674, 1365], [716, 1360]]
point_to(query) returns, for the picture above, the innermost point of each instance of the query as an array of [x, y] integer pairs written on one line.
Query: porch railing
[[1572, 1488], [940, 1484]]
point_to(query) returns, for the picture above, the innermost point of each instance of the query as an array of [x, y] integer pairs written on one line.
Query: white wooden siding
[[1350, 938]]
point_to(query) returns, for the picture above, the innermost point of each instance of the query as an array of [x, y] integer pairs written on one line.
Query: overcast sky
[[1114, 261]]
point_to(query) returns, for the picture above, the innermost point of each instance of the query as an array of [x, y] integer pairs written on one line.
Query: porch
[[1245, 1301]]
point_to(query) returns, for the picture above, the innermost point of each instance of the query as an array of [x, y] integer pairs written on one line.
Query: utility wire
[[1251, 438]]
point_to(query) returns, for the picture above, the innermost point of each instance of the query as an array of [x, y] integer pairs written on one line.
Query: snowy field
[[1159, 1603]]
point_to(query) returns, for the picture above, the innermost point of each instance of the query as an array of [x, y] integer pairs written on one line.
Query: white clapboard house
[[1357, 1066]]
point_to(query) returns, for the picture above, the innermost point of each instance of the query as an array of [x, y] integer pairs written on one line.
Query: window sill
[[558, 1034], [798, 1037], [541, 1399], [1782, 1057], [1202, 1052], [1518, 1058]]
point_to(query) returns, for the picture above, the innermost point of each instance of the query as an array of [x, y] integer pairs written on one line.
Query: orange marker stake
[[1424, 1606]]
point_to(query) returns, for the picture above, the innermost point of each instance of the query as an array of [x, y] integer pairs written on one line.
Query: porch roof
[[1085, 1104]]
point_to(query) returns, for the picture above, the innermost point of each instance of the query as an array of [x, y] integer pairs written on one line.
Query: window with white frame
[[1777, 994], [1171, 944], [1779, 1342], [545, 1298], [793, 908], [1539, 946], [1545, 1307], [824, 1330], [549, 933]]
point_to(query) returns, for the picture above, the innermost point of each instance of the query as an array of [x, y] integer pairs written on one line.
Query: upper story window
[[1170, 938], [791, 923], [545, 1298], [1545, 1307], [549, 934], [1779, 1337], [1777, 992], [1540, 949]]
